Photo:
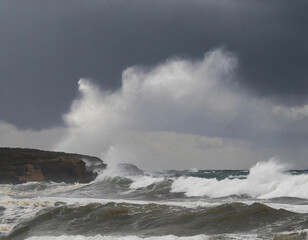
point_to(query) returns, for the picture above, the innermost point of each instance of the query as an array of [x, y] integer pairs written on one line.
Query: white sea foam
[[165, 237], [99, 237], [49, 201], [33, 189], [85, 201], [144, 181], [114, 169], [139, 181], [265, 180], [19, 210], [296, 208]]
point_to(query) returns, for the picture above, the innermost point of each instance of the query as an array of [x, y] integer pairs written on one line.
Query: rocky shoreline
[[19, 165]]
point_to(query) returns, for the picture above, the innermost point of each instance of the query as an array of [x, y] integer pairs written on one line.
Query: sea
[[266, 201]]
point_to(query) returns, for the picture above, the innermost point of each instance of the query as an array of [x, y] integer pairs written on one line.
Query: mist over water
[[178, 110], [153, 107]]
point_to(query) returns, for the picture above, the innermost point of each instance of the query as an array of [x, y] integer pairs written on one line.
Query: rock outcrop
[[18, 165]]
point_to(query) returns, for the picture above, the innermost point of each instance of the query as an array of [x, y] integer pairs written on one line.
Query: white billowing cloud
[[180, 114]]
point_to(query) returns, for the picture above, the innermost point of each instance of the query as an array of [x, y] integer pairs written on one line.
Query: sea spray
[[129, 171], [265, 180]]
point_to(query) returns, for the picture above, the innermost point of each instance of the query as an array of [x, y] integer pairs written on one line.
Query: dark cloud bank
[[154, 97], [46, 46]]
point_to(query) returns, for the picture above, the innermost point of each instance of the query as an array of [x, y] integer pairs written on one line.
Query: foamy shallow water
[[282, 236], [99, 237]]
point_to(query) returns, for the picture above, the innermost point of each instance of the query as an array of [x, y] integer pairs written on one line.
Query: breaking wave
[[265, 180], [138, 204]]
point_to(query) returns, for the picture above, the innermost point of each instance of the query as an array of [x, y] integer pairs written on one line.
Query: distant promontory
[[19, 165]]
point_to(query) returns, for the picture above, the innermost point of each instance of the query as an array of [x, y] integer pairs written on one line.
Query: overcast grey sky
[[46, 46]]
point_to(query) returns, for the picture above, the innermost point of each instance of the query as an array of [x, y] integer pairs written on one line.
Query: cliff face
[[19, 165]]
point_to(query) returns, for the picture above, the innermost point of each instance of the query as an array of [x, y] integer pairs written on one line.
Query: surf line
[[27, 203]]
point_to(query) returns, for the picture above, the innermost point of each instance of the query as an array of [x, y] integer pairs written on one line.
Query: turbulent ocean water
[[264, 202]]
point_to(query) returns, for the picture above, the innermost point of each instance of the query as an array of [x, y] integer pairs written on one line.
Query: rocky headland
[[19, 165]]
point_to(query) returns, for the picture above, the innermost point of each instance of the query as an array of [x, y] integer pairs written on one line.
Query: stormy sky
[[222, 83]]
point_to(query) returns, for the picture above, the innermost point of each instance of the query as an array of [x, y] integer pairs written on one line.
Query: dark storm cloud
[[46, 46]]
